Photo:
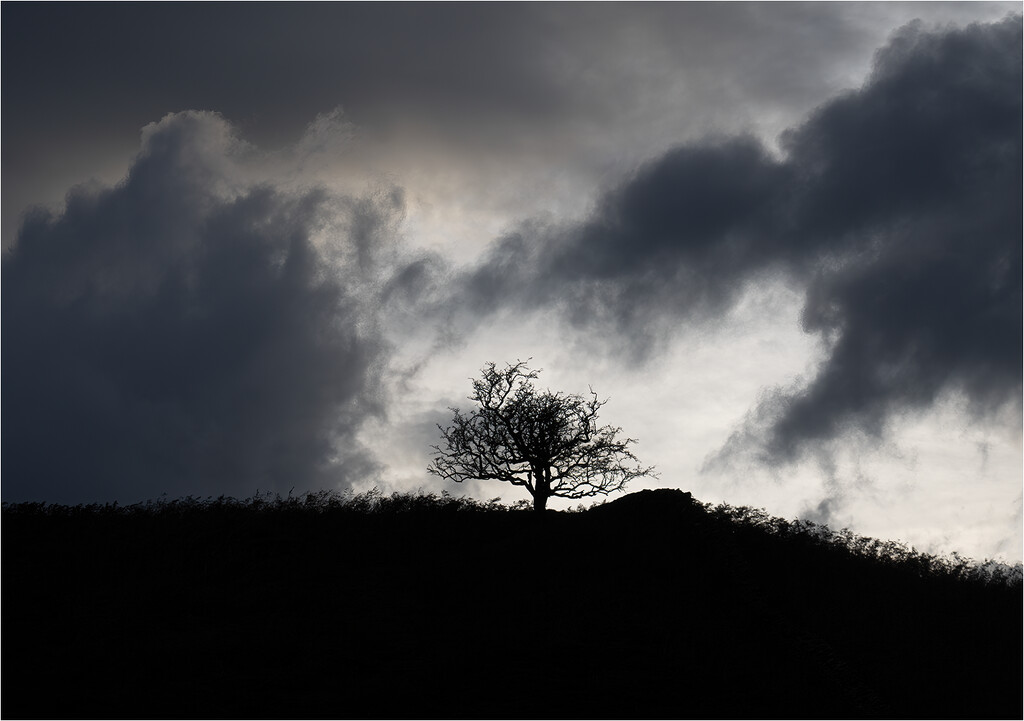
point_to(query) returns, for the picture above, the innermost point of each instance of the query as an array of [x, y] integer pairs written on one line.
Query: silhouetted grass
[[331, 605]]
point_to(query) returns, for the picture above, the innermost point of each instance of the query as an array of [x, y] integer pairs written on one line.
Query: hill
[[650, 606]]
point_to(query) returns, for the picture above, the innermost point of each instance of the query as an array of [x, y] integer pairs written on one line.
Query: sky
[[266, 247]]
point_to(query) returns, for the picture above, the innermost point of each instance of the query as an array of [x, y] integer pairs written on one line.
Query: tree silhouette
[[548, 442]]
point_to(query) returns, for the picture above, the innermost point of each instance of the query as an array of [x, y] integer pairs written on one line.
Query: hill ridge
[[651, 605]]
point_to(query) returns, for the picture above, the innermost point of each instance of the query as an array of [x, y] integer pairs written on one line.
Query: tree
[[548, 442]]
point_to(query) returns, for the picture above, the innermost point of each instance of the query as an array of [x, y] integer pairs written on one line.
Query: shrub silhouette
[[549, 443]]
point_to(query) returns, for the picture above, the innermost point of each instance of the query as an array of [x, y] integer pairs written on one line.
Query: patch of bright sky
[[681, 405], [938, 483]]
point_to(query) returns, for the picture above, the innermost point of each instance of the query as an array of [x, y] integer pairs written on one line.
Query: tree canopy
[[548, 442]]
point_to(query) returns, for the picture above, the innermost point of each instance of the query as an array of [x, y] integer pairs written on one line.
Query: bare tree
[[548, 442]]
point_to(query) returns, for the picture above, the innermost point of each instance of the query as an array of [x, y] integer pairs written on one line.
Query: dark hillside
[[653, 605]]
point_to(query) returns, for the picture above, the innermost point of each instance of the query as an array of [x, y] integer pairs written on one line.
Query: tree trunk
[[541, 491]]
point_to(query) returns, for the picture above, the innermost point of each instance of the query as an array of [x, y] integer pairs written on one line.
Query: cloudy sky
[[265, 247]]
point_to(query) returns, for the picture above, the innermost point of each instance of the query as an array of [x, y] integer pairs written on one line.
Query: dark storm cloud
[[585, 85], [897, 207], [917, 181], [183, 332], [80, 79], [307, 57]]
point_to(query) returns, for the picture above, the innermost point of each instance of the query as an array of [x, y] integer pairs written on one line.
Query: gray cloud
[[459, 63], [824, 513], [897, 207], [918, 178], [188, 332], [502, 89]]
